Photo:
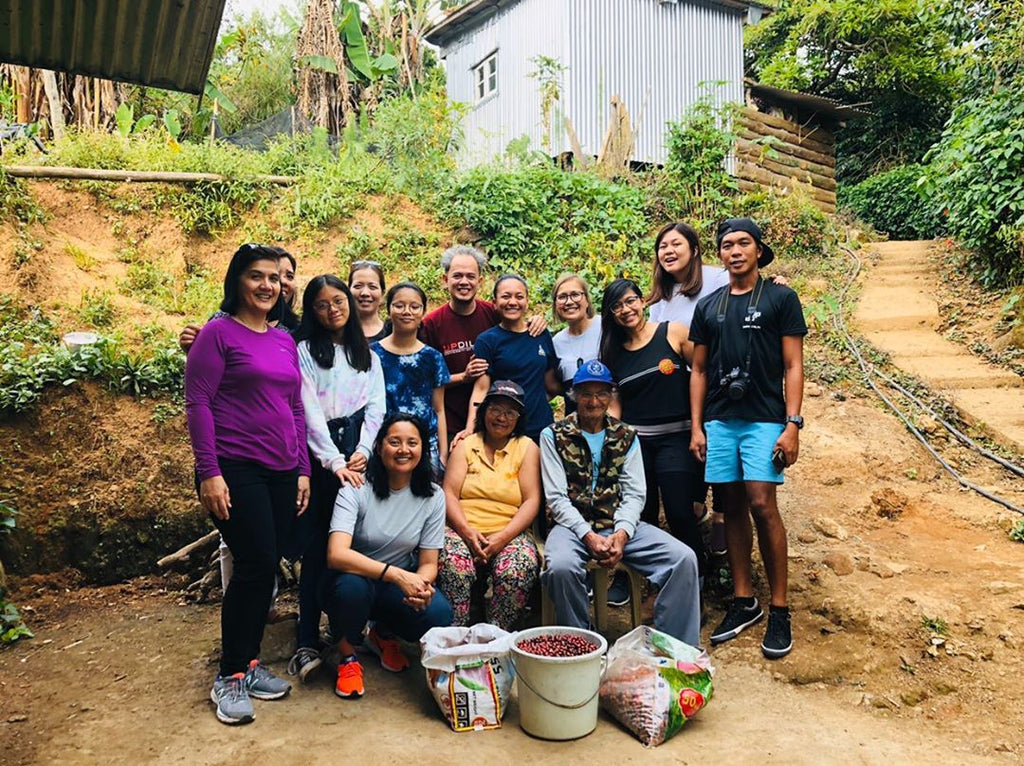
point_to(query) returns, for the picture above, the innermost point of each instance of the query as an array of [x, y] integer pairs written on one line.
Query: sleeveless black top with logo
[[654, 387]]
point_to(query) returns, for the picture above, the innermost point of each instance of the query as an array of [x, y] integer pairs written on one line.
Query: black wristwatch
[[797, 419]]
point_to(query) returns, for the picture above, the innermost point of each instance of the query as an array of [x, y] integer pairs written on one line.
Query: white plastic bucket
[[76, 340], [558, 695]]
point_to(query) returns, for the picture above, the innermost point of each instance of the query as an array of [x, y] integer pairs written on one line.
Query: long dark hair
[[320, 339], [377, 474], [613, 337], [284, 311], [663, 284], [243, 258], [480, 426]]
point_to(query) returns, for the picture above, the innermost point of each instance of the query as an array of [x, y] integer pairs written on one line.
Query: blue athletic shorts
[[739, 450]]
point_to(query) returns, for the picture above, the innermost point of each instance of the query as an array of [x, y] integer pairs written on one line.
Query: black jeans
[[673, 473], [311, 531], [259, 524]]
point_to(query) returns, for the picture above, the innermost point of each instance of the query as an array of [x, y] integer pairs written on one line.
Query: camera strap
[[723, 307]]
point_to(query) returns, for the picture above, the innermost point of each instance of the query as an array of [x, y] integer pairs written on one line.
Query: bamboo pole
[[826, 182], [791, 135], [783, 146], [766, 178], [752, 186], [142, 176]]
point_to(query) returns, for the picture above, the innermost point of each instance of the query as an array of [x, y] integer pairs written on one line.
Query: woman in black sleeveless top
[[649, 364]]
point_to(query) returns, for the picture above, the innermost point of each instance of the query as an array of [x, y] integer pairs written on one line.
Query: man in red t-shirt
[[453, 328]]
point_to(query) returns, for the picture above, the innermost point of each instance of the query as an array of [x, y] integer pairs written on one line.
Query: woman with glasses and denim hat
[[649, 361], [343, 396], [581, 338], [248, 430], [366, 281], [492, 495]]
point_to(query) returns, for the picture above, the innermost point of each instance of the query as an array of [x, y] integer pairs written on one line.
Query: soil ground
[[900, 314], [880, 542], [908, 595]]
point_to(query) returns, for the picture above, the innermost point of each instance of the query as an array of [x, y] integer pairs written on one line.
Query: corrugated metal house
[[654, 54]]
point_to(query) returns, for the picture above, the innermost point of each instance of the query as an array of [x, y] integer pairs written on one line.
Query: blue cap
[[593, 372]]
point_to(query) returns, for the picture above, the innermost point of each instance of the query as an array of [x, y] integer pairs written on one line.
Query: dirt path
[[121, 674], [898, 314]]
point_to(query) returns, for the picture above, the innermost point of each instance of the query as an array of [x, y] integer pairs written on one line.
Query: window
[[485, 77]]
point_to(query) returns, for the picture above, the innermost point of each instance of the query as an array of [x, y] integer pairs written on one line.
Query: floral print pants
[[513, 573]]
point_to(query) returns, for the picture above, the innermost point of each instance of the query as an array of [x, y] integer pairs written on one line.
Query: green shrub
[[97, 309], [893, 202], [976, 175], [16, 202], [793, 225], [533, 216]]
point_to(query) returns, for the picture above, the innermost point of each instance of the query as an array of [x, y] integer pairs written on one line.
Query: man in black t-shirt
[[748, 342]]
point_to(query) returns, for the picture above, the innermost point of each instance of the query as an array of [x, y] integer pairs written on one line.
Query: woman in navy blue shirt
[[513, 354]]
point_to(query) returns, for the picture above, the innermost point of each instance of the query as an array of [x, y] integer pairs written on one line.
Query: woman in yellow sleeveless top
[[492, 495]]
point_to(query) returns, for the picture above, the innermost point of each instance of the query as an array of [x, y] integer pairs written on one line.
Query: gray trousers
[[669, 564]]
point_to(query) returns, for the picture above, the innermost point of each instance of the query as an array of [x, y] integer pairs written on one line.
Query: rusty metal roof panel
[[163, 43]]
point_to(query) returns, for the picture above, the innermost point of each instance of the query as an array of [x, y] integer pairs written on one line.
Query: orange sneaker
[[350, 679], [388, 649]]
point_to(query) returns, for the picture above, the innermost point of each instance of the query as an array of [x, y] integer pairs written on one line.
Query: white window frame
[[485, 78]]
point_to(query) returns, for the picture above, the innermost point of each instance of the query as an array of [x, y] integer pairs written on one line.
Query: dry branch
[[184, 553], [145, 176]]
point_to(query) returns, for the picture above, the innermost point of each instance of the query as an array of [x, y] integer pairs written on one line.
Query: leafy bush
[[694, 184], [796, 228], [894, 203], [976, 175], [97, 309], [415, 137], [16, 203], [11, 626], [539, 220], [32, 358]]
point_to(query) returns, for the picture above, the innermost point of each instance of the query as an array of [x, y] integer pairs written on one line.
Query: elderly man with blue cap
[[594, 487]]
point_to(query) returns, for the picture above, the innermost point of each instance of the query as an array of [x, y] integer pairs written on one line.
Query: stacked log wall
[[776, 152]]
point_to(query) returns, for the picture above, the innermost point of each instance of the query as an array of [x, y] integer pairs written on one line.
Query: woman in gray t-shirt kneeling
[[384, 545]]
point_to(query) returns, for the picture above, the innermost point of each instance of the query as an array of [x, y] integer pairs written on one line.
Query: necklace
[[261, 328]]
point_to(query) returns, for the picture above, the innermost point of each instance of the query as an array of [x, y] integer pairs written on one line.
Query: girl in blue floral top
[[414, 374]]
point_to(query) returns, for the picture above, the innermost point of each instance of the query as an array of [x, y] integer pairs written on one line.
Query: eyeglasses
[[322, 307], [365, 265], [626, 304], [254, 245], [573, 297], [601, 396], [509, 413]]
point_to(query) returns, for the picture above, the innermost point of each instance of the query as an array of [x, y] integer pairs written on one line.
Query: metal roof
[[814, 104], [163, 43], [478, 11]]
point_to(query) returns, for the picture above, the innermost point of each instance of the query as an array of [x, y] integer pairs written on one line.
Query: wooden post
[[56, 104], [96, 103]]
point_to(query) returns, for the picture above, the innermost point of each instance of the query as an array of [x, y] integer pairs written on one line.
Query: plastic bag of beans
[[469, 674], [654, 684]]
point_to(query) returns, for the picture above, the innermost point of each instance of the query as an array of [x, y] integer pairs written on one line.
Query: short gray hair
[[450, 254]]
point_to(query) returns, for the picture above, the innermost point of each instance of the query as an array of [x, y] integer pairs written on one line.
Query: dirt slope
[[860, 685]]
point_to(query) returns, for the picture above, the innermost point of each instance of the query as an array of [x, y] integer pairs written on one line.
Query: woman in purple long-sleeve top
[[244, 404]]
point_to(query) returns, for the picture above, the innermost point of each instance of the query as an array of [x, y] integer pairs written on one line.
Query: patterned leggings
[[513, 574]]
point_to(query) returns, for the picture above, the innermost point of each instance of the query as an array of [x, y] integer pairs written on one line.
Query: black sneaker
[[618, 591], [778, 638], [736, 620]]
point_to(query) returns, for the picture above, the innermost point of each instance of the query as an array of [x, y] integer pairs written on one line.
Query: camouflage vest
[[597, 506]]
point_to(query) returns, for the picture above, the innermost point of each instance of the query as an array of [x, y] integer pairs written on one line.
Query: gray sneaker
[[304, 662], [264, 685], [232, 699]]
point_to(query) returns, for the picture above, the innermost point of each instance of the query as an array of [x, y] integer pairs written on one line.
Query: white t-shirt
[[574, 350], [391, 530], [679, 308]]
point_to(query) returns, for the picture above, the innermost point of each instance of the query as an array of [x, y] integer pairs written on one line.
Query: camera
[[735, 383]]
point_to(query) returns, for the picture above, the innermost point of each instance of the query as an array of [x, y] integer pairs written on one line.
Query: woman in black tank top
[[649, 364]]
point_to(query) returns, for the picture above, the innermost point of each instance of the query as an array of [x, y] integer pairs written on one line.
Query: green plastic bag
[[654, 684]]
